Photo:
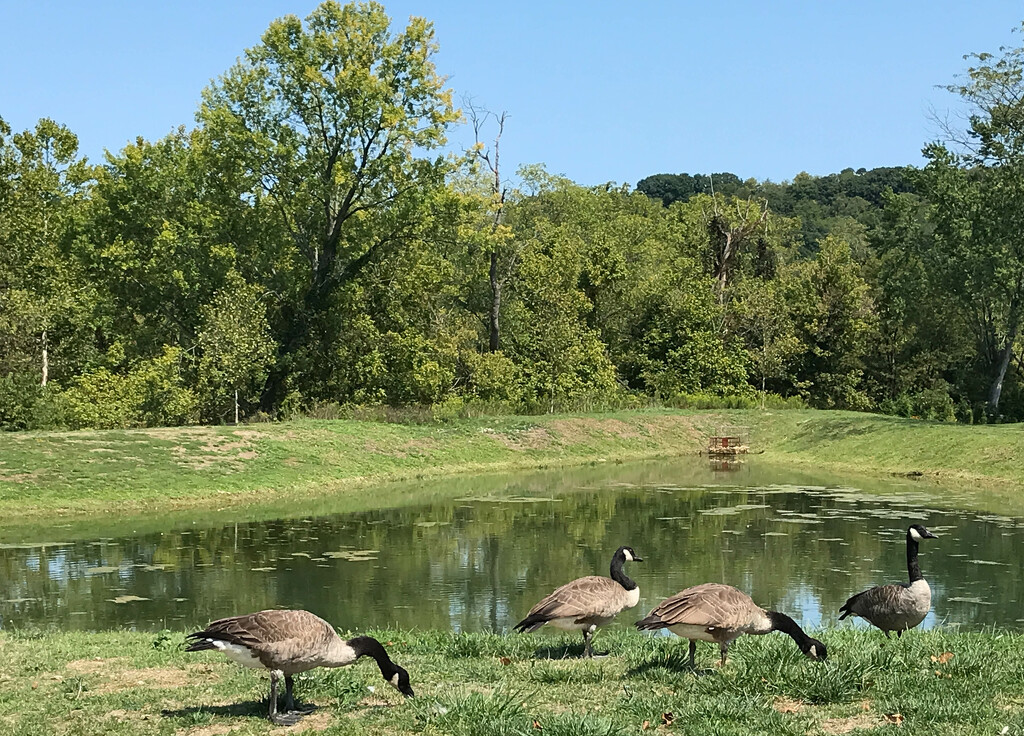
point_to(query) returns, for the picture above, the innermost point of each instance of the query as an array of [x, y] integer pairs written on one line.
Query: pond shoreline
[[139, 683], [48, 475]]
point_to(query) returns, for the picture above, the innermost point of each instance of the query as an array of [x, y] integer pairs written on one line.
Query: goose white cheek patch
[[629, 557], [915, 535]]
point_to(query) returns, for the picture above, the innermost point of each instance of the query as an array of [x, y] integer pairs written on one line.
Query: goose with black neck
[[288, 642], [897, 606], [587, 603], [720, 614]]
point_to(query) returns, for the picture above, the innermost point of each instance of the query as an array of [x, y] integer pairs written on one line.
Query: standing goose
[[586, 603], [289, 642], [898, 606], [721, 613]]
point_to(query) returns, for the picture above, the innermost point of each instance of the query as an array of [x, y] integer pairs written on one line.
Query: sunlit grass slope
[[50, 473]]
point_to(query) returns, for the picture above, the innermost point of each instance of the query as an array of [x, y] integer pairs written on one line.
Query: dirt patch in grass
[[96, 665], [535, 438], [18, 477], [669, 421], [216, 450], [782, 704], [117, 677], [575, 430], [217, 730], [319, 721], [860, 722]]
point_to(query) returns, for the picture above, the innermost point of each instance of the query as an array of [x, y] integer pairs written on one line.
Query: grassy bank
[[43, 474], [132, 683]]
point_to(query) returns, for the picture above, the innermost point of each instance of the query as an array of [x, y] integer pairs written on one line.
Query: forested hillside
[[313, 243]]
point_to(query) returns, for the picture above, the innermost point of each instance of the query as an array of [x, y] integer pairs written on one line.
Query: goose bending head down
[[720, 613], [898, 606], [289, 642], [587, 603]]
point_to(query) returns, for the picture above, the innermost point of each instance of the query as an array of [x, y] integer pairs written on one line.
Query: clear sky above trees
[[594, 91]]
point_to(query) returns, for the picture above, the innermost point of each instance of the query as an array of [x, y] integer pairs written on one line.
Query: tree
[[330, 120], [236, 342], [833, 317], [975, 194], [764, 321], [732, 225], [497, 239], [45, 300]]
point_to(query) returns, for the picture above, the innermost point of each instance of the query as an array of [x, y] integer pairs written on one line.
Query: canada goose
[[289, 642], [898, 606], [586, 603], [721, 613]]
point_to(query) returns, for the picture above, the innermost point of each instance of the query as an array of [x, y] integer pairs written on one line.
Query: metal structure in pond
[[728, 441]]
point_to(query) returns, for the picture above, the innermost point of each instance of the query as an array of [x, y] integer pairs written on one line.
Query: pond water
[[475, 553]]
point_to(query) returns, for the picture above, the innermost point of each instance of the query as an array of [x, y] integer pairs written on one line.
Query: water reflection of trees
[[480, 564]]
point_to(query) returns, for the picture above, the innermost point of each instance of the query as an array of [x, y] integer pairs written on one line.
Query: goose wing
[[267, 630], [592, 596], [881, 602], [711, 605]]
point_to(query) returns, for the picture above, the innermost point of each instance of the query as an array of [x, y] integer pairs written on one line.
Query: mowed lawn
[[934, 682], [45, 474]]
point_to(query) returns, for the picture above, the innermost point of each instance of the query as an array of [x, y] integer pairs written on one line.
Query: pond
[[474, 553]]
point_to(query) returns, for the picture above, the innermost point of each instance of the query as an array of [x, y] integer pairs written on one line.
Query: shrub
[[153, 393]]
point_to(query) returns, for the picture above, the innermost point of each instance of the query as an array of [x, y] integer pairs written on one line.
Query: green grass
[[936, 682], [46, 474]]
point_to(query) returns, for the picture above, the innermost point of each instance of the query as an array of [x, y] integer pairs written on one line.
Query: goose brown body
[[588, 602], [288, 642], [897, 606], [720, 613]]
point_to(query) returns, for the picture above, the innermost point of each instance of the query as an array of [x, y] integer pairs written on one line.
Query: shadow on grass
[[567, 651], [245, 709], [672, 663]]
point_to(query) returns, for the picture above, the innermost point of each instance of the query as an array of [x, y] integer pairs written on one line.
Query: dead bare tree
[[490, 158], [729, 234]]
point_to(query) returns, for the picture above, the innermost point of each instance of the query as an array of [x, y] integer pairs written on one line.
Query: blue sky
[[597, 91]]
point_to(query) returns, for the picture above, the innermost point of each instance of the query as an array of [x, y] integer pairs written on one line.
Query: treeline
[[309, 244]]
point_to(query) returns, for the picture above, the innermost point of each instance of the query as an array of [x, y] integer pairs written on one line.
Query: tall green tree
[[46, 303], [332, 121], [832, 312], [976, 185]]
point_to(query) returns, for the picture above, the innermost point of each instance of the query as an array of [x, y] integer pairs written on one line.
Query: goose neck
[[619, 575], [913, 568], [782, 622], [367, 646]]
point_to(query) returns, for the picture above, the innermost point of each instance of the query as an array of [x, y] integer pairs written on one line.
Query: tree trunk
[[236, 407], [46, 361], [495, 316], [997, 385]]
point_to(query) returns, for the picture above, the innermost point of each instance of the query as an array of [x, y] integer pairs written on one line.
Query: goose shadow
[[566, 651], [243, 709], [671, 662]]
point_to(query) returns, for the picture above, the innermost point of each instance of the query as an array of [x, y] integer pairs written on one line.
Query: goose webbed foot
[[286, 719]]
